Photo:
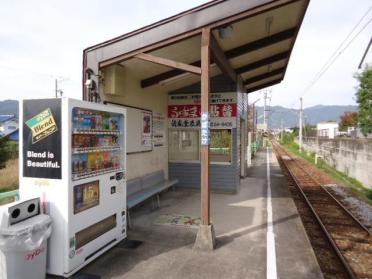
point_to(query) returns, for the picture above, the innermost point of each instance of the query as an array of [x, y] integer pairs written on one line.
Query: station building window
[[220, 146], [184, 145]]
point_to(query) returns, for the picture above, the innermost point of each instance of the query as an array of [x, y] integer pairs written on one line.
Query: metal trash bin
[[23, 240]]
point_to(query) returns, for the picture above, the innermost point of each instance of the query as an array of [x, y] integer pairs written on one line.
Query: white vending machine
[[73, 156]]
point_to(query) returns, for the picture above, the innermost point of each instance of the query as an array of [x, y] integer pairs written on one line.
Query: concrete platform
[[245, 249]]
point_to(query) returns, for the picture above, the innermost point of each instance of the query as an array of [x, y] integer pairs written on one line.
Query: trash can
[[23, 240]]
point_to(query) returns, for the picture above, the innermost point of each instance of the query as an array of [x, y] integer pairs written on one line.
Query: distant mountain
[[9, 107], [313, 115]]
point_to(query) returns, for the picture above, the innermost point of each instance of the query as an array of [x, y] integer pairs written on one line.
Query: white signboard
[[158, 129], [204, 135]]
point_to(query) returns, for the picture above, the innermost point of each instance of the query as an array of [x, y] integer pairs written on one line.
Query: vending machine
[[73, 156]]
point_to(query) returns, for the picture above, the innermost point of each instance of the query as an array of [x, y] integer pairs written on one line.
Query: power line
[[342, 43], [337, 56], [337, 53]]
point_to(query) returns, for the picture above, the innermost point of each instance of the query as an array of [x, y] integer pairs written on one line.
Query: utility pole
[[254, 119], [300, 124], [56, 87], [281, 132], [56, 90], [264, 120], [365, 54]]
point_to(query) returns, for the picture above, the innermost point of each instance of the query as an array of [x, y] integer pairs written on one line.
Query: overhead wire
[[339, 50], [335, 58], [342, 43]]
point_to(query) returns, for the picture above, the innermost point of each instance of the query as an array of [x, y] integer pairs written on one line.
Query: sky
[[43, 40]]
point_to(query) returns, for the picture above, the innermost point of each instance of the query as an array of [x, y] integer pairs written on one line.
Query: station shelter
[[214, 54]]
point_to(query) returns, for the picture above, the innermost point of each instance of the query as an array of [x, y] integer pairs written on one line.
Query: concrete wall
[[127, 91], [350, 156]]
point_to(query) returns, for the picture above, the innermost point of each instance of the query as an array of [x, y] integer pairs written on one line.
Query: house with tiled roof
[[9, 126]]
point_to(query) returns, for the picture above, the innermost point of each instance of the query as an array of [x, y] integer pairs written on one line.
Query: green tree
[[4, 152], [364, 100]]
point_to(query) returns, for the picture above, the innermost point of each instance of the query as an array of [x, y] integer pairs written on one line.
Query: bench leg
[[152, 203], [158, 199]]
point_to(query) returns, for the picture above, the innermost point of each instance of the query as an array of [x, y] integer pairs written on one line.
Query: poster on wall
[[184, 110], [158, 130], [42, 138], [146, 129]]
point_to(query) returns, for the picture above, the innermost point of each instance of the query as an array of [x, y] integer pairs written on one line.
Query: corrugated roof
[[258, 48], [6, 117]]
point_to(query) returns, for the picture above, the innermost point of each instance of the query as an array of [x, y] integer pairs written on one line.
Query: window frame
[[183, 161], [199, 146]]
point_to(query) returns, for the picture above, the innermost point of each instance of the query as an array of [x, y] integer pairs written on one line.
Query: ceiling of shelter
[[257, 48], [186, 51]]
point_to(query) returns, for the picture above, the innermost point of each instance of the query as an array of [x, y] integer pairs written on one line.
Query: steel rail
[[341, 257], [329, 193]]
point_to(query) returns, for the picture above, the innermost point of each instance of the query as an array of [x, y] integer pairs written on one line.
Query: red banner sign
[[193, 111]]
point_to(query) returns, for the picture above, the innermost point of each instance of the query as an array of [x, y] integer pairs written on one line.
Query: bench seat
[[142, 188], [144, 194]]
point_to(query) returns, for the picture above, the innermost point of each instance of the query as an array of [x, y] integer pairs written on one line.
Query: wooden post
[[205, 88], [205, 239]]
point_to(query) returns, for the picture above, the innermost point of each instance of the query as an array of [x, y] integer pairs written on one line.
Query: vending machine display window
[[96, 147], [86, 196]]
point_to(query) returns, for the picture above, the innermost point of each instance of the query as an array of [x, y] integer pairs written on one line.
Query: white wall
[[128, 92], [331, 128]]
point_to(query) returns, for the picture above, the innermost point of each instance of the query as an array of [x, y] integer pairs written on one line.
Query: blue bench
[[142, 188]]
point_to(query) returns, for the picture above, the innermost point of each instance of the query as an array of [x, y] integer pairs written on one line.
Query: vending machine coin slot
[[119, 175]]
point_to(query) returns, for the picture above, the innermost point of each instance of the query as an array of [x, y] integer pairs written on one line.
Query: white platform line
[[270, 237]]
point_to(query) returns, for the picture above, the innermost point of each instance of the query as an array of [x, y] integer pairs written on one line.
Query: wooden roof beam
[[263, 62], [264, 76], [260, 43], [258, 87], [169, 63], [221, 60], [235, 52]]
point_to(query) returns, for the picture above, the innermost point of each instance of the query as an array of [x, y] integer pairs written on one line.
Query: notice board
[[139, 128]]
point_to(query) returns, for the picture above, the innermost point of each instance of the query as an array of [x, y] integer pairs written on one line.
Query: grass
[[353, 184], [9, 176]]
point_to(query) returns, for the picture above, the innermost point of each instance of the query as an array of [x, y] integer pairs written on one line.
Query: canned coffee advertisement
[[42, 138]]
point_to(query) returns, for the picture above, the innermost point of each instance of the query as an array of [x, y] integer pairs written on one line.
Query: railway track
[[350, 241]]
